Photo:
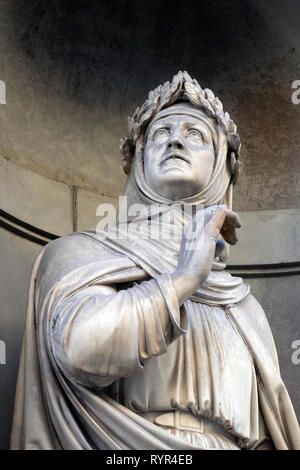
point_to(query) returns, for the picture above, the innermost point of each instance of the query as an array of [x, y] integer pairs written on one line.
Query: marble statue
[[146, 342]]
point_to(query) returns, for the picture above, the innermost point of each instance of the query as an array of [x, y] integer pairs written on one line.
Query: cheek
[[151, 156], [149, 164], [205, 165], [211, 160], [146, 156], [146, 169]]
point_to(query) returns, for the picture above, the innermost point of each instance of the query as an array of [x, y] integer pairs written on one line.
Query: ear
[[127, 151], [227, 199]]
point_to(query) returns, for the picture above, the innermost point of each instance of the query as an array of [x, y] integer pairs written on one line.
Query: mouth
[[176, 156]]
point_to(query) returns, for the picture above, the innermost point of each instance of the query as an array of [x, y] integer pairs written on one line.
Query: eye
[[161, 133], [194, 134]]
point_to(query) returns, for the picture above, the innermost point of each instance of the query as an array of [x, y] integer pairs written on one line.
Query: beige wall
[[65, 115]]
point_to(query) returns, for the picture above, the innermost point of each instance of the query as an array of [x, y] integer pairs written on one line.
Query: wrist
[[184, 285]]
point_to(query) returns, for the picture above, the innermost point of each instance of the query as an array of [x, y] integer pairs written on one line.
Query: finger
[[231, 223], [216, 222], [232, 219], [229, 235], [194, 229], [224, 221]]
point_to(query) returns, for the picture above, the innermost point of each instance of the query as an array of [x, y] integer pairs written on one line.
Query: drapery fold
[[53, 411], [68, 395]]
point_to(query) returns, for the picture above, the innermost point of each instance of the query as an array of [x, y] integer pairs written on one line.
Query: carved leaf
[[208, 108], [218, 106], [187, 77], [227, 118], [209, 95], [231, 126], [234, 141], [164, 96], [221, 120], [192, 93]]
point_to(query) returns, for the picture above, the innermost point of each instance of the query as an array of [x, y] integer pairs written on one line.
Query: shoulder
[[72, 252], [74, 248]]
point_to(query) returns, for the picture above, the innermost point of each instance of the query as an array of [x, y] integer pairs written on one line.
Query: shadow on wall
[[105, 45], [96, 61]]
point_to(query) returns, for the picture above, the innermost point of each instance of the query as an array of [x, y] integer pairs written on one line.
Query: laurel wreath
[[182, 87]]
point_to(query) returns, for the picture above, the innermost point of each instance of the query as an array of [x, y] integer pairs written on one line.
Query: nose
[[175, 143]]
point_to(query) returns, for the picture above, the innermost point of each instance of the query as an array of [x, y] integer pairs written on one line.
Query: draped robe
[[86, 330], [106, 342]]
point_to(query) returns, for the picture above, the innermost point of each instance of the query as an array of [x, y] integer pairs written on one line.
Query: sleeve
[[264, 441], [99, 334]]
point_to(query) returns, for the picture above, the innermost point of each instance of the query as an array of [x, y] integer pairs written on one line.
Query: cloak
[[53, 411], [57, 408]]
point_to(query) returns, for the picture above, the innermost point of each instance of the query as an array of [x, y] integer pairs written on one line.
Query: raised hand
[[198, 248]]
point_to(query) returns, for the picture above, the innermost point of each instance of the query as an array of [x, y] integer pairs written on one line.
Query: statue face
[[179, 156]]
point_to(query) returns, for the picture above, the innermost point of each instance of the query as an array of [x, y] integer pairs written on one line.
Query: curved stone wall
[[73, 74]]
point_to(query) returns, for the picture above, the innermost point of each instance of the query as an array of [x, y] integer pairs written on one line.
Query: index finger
[[223, 215]]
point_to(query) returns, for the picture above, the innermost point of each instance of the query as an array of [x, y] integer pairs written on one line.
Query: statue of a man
[[145, 342]]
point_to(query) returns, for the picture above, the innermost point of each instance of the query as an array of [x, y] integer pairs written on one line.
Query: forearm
[[98, 338], [183, 286]]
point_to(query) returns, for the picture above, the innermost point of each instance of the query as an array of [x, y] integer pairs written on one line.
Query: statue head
[[179, 151], [180, 142]]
